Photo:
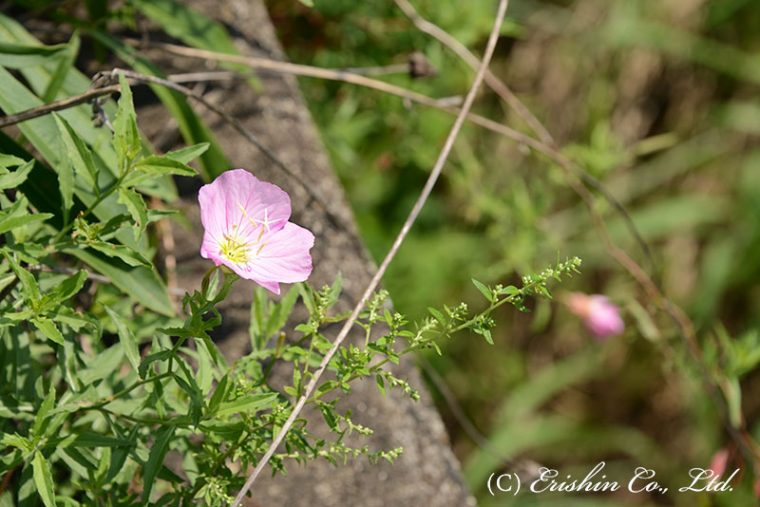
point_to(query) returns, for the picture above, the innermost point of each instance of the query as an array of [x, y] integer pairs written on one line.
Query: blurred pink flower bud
[[719, 461], [601, 317]]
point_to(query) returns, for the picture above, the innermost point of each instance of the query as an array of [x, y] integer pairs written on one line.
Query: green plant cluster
[[108, 394]]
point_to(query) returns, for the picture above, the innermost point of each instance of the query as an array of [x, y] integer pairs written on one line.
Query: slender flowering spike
[[246, 228], [601, 317]]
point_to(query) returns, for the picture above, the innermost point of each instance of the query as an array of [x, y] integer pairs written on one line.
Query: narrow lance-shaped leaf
[[18, 216], [43, 479], [188, 153], [28, 283], [48, 328], [45, 407], [66, 184], [126, 137], [15, 56], [127, 339], [155, 460], [78, 153], [65, 63], [142, 284], [125, 254], [487, 293], [136, 207], [68, 288], [248, 403]]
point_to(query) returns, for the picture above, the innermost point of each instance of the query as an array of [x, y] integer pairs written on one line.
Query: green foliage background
[[659, 100]]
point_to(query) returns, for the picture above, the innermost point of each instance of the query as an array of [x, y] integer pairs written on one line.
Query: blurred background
[[658, 100]]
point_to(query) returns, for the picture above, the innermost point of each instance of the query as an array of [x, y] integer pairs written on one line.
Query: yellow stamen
[[234, 250]]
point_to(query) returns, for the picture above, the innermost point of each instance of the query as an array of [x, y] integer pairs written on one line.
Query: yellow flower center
[[234, 250], [237, 251]]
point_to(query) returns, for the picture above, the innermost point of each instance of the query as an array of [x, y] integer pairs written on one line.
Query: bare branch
[[36, 112]]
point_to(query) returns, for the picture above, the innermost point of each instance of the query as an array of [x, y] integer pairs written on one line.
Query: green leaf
[[68, 288], [45, 407], [43, 479], [120, 454], [126, 137], [7, 160], [66, 184], [219, 393], [18, 216], [153, 166], [102, 366], [122, 252], [136, 207], [281, 312], [380, 383], [127, 339], [155, 460], [188, 153], [335, 290], [437, 315], [78, 153], [487, 293], [205, 368], [15, 178], [15, 440], [257, 326], [142, 284], [328, 413], [161, 355], [89, 439], [65, 64], [249, 403], [15, 56], [28, 283], [48, 328]]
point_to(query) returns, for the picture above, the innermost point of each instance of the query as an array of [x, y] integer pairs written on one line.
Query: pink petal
[[284, 257], [213, 216], [603, 318], [238, 201]]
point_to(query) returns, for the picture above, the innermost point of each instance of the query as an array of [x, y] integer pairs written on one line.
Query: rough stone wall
[[427, 472]]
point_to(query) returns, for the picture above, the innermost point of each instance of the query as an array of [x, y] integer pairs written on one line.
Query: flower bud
[[600, 316]]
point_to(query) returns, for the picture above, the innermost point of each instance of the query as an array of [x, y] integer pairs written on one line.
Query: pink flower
[[246, 228], [719, 461], [601, 317]]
